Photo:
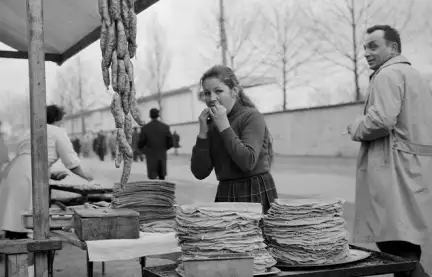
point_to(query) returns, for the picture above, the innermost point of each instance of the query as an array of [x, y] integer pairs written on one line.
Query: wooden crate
[[102, 224]]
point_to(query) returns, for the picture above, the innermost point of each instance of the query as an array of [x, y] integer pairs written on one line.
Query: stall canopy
[[69, 27]]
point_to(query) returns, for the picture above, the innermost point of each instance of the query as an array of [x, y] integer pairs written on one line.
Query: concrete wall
[[314, 132], [182, 106], [178, 106]]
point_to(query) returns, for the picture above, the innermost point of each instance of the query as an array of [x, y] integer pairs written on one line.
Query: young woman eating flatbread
[[234, 141]]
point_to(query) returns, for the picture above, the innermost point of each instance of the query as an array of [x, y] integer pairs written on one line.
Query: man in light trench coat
[[394, 165]]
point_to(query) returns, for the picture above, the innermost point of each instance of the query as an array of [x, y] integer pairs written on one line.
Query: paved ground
[[294, 176]]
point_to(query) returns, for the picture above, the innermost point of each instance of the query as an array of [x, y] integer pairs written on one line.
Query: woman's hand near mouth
[[203, 123], [219, 115]]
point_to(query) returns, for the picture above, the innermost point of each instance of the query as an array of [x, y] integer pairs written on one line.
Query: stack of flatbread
[[222, 228], [154, 200], [307, 232], [158, 226]]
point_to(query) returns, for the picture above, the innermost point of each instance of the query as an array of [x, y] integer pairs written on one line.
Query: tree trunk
[[355, 58], [284, 78], [81, 99], [160, 104], [223, 39]]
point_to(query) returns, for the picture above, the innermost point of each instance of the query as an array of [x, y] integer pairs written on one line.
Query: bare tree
[[15, 109], [427, 23], [289, 49], [75, 92], [339, 24], [157, 63], [234, 32]]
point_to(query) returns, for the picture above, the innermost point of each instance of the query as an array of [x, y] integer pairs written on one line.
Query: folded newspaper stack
[[222, 228], [154, 200], [307, 232]]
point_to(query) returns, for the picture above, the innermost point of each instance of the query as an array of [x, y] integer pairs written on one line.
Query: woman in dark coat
[[234, 141]]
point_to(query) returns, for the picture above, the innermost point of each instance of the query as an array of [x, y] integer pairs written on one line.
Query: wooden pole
[[223, 38], [39, 153]]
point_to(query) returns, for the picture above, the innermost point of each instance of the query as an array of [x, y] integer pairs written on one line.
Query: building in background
[[181, 105]]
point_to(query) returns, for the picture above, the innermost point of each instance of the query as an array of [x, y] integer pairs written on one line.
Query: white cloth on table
[[124, 249], [16, 179]]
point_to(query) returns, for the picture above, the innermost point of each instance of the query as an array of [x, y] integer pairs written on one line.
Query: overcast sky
[[183, 21]]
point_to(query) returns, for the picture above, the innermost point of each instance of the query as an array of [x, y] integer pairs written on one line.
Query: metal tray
[[236, 264], [355, 256], [270, 271]]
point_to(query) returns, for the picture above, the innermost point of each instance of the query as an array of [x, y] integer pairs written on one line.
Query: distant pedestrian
[[112, 144], [76, 145], [155, 140], [87, 145], [176, 141], [136, 152], [100, 145], [4, 153]]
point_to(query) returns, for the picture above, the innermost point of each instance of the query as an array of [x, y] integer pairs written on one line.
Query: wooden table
[[83, 191], [377, 263], [72, 239]]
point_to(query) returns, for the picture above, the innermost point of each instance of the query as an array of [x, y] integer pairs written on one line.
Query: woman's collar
[[235, 109]]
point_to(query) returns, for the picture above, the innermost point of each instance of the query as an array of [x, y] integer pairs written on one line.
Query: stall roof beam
[[70, 26], [56, 58]]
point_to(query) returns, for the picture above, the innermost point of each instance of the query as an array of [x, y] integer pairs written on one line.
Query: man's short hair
[[154, 113], [390, 34]]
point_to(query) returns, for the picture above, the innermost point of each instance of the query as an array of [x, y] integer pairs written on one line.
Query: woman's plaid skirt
[[255, 189]]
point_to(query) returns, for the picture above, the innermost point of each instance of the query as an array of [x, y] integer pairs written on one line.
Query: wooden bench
[[16, 254]]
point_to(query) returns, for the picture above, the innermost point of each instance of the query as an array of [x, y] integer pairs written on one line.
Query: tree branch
[[157, 61]]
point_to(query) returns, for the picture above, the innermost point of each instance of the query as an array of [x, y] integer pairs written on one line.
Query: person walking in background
[[154, 141], [76, 144], [87, 145], [4, 153], [176, 140], [112, 144], [100, 145], [394, 174], [136, 152]]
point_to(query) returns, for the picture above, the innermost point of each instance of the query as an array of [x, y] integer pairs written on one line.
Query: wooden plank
[[106, 212], [44, 245], [29, 245], [80, 189], [141, 5], [70, 238], [39, 154], [14, 246], [56, 58], [16, 265]]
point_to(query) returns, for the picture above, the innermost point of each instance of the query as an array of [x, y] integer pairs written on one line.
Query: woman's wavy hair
[[227, 76]]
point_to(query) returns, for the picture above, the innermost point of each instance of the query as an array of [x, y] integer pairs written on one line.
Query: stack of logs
[[118, 46]]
